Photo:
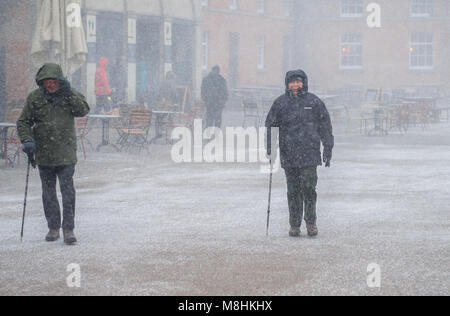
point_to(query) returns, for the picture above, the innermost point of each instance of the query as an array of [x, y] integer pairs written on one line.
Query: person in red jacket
[[102, 89]]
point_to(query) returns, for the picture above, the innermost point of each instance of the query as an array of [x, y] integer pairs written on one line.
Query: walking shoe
[[69, 237], [294, 232], [312, 230], [53, 235]]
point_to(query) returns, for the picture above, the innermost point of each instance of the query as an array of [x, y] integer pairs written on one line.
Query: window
[[261, 6], [261, 53], [351, 51], [204, 4], [233, 5], [421, 51], [351, 8], [205, 50], [421, 8]]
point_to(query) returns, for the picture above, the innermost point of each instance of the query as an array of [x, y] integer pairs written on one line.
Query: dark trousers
[[50, 199], [102, 104], [214, 117], [302, 195]]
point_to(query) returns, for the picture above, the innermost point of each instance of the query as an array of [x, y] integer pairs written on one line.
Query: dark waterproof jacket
[[214, 91], [303, 123], [51, 123]]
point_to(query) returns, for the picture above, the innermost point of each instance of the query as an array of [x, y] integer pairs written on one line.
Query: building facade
[[251, 40], [15, 32], [339, 43], [143, 40]]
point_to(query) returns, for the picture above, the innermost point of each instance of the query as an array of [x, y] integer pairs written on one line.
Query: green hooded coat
[[50, 122]]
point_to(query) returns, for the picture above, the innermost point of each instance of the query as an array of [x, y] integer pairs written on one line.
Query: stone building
[[143, 40], [251, 40], [337, 46]]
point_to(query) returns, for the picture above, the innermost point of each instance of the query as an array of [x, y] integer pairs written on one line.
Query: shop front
[[143, 41]]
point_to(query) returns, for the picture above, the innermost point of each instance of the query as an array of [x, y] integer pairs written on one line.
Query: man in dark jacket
[[47, 130], [304, 123], [215, 95]]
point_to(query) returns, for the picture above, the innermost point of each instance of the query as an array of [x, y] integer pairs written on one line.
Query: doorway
[[183, 53], [111, 44], [148, 59]]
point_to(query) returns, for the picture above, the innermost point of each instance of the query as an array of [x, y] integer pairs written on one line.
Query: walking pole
[[270, 195], [30, 162]]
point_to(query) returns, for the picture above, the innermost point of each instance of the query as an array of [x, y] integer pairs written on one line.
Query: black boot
[[294, 232], [313, 231], [53, 235], [69, 237]]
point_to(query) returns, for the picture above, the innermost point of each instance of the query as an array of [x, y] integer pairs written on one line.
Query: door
[[111, 44], [148, 59], [183, 53]]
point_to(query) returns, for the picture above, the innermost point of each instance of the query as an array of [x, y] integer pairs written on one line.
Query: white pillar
[[198, 71], [131, 82], [167, 46], [91, 68], [131, 93]]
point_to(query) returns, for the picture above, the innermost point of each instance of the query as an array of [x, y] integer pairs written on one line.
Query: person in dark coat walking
[[47, 129], [215, 95], [304, 123]]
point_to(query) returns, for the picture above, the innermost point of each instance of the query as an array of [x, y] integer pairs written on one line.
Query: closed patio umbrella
[[59, 36]]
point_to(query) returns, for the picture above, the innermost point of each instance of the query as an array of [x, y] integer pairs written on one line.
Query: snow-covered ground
[[147, 226]]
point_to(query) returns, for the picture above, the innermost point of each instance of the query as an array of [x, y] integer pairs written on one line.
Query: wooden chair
[[81, 126], [183, 120], [184, 93], [136, 129], [373, 116], [12, 115], [251, 111], [201, 107], [420, 114]]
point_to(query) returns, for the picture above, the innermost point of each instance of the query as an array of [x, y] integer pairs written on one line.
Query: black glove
[[29, 148], [327, 155], [65, 89]]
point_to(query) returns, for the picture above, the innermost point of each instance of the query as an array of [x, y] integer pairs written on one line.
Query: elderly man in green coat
[[47, 131]]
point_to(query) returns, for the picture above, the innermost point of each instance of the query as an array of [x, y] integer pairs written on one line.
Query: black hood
[[296, 74]]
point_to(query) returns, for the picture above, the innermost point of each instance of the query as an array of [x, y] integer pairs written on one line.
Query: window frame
[[351, 15], [418, 45], [427, 4], [345, 43]]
